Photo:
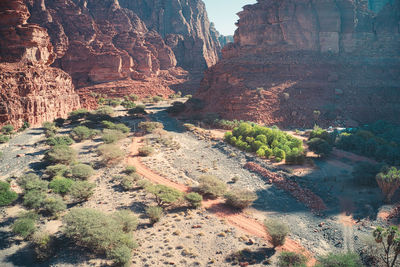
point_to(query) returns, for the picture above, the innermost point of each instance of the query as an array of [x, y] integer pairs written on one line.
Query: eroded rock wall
[[293, 57], [31, 90]]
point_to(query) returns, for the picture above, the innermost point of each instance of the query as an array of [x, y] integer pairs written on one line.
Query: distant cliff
[[293, 57]]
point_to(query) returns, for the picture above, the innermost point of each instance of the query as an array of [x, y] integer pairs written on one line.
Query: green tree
[[81, 171], [194, 199], [81, 190], [61, 185], [165, 195], [277, 230], [320, 146], [7, 196], [389, 182], [7, 129], [389, 238], [81, 133]]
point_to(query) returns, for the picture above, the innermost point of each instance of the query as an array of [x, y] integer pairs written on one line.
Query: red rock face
[[30, 89], [293, 57]]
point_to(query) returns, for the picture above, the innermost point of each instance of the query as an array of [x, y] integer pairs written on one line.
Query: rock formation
[[224, 40], [293, 57], [30, 90]]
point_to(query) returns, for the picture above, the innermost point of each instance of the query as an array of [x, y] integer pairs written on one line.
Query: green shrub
[[340, 260], [42, 245], [319, 146], [122, 127], [24, 126], [81, 190], [139, 110], [49, 128], [194, 199], [145, 151], [133, 97], [240, 199], [81, 133], [154, 213], [61, 154], [61, 185], [386, 246], [110, 153], [81, 171], [34, 199], [27, 178], [127, 220], [25, 225], [388, 181], [150, 126], [99, 232], [59, 140], [165, 195], [110, 136], [4, 138], [128, 182], [54, 204], [114, 102], [291, 259], [157, 99], [56, 170], [277, 230], [37, 185], [211, 186], [318, 132], [104, 111], [78, 114], [128, 104], [144, 184], [279, 154], [7, 129], [7, 196], [130, 169], [295, 157]]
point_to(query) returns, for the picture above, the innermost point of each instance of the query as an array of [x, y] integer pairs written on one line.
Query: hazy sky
[[223, 13]]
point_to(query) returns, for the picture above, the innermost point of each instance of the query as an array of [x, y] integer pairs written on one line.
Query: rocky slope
[[293, 57], [31, 90]]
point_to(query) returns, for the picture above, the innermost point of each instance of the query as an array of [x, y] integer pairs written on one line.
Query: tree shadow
[[247, 257]]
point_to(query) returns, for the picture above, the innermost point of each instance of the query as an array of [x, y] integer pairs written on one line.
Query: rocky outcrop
[[30, 90], [184, 25], [224, 40], [293, 57]]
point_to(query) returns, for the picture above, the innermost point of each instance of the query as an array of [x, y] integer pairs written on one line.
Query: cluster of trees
[[267, 142]]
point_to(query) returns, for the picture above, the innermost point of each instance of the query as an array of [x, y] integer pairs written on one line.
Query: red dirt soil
[[237, 219]]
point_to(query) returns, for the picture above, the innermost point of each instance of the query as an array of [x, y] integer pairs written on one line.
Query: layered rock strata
[[292, 60]]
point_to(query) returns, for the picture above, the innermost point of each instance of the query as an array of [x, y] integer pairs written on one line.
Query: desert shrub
[[49, 128], [133, 97], [240, 199], [211, 186], [279, 154], [277, 230], [291, 259], [194, 199], [54, 204], [318, 132], [114, 102], [98, 232], [165, 195], [127, 220], [388, 181], [24, 126], [319, 146], [59, 140], [7, 129], [122, 127], [80, 133], [37, 185], [139, 110], [34, 199], [78, 114], [56, 170], [295, 157], [128, 104], [110, 153], [4, 139], [150, 126], [7, 196], [339, 260], [388, 239], [26, 178], [81, 171], [61, 185], [364, 173], [81, 190], [121, 255], [25, 225], [145, 151], [144, 184], [42, 245], [128, 182], [154, 213], [177, 107], [130, 169], [104, 111], [157, 99], [61, 154], [111, 136]]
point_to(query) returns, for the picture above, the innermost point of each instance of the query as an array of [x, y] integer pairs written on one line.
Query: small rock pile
[[305, 196]]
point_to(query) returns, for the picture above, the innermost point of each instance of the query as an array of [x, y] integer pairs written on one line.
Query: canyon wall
[[293, 59], [31, 90]]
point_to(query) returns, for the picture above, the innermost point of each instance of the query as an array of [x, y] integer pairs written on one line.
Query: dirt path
[[237, 219]]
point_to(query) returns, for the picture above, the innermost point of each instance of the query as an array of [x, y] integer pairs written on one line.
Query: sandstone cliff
[[30, 90], [293, 57]]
